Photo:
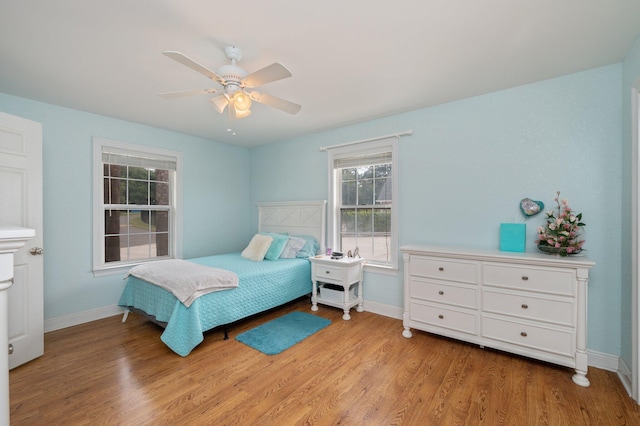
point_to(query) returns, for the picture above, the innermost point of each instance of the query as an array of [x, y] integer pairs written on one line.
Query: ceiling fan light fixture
[[243, 114], [241, 101]]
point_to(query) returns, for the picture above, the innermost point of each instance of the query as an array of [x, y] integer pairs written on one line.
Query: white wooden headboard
[[295, 218]]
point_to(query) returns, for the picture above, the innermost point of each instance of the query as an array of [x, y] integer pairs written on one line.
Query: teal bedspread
[[262, 285]]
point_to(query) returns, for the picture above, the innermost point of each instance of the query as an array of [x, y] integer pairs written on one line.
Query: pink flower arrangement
[[562, 230]]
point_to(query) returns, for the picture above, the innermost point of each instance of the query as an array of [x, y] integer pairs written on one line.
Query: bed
[[262, 285]]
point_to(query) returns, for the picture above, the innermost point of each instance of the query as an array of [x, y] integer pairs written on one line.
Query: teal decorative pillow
[[277, 245]]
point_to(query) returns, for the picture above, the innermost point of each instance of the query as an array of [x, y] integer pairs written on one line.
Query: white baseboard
[[382, 309], [624, 373], [81, 318]]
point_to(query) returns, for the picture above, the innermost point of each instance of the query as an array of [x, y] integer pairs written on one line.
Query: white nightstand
[[345, 272]]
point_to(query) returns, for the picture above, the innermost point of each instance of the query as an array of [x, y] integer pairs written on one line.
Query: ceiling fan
[[237, 84]]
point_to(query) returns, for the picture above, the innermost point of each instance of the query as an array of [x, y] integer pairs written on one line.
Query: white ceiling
[[351, 60]]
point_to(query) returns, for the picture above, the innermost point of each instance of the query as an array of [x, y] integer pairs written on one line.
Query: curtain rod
[[395, 135]]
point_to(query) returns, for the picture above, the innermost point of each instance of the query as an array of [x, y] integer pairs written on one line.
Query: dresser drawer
[[440, 316], [556, 281], [444, 293], [546, 339], [528, 306], [444, 269]]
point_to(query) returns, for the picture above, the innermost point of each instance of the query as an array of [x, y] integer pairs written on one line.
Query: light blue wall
[[631, 78], [468, 164], [463, 171], [216, 198]]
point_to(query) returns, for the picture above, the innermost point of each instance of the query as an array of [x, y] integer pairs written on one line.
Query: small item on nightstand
[[337, 255], [328, 251]]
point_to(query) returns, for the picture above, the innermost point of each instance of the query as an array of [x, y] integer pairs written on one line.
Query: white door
[[21, 205]]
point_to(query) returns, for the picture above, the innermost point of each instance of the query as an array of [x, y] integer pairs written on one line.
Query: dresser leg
[[346, 315], [407, 333]]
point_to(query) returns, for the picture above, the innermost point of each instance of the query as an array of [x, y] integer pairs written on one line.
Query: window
[[363, 200], [135, 204]]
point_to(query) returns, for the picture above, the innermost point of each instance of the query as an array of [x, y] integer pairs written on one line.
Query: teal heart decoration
[[530, 207]]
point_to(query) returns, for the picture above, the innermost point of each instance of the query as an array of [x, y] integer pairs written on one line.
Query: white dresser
[[531, 304]]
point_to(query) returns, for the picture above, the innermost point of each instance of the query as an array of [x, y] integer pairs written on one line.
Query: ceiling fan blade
[[273, 101], [266, 75], [184, 60], [219, 102], [180, 93]]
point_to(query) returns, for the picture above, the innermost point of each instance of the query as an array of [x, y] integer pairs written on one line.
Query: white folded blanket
[[185, 280]]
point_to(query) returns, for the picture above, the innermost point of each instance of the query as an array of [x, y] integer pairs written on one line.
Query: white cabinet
[[345, 273], [531, 304]]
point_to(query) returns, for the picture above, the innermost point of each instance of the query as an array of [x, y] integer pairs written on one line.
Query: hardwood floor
[[351, 373]]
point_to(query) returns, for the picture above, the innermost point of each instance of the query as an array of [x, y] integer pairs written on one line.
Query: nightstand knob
[[525, 278], [327, 272], [441, 292], [523, 334], [441, 269], [441, 316], [525, 306]]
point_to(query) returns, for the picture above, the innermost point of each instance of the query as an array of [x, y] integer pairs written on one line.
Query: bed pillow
[[310, 248], [277, 245], [257, 247], [293, 246]]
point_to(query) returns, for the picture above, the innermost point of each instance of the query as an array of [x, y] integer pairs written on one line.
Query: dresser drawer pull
[[441, 316], [525, 278], [525, 306], [327, 272], [523, 334], [441, 292], [441, 269]]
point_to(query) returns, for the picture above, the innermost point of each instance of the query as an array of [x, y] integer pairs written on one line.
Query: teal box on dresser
[[513, 237]]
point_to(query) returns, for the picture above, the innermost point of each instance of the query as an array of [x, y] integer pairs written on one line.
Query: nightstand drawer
[[444, 293], [331, 274], [550, 340], [558, 281], [444, 269], [555, 311], [458, 320]]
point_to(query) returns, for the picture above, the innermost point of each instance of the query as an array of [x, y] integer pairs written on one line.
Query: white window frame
[[353, 150], [100, 267]]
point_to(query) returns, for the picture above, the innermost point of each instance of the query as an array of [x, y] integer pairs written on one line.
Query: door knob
[[36, 251]]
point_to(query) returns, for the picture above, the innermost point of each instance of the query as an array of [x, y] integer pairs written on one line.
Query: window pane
[[159, 193], [114, 171], [348, 174], [365, 192], [365, 172], [112, 251], [138, 192], [138, 173], [383, 191], [364, 220], [382, 220], [349, 193], [159, 175], [112, 221], [347, 220], [115, 191], [383, 170]]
